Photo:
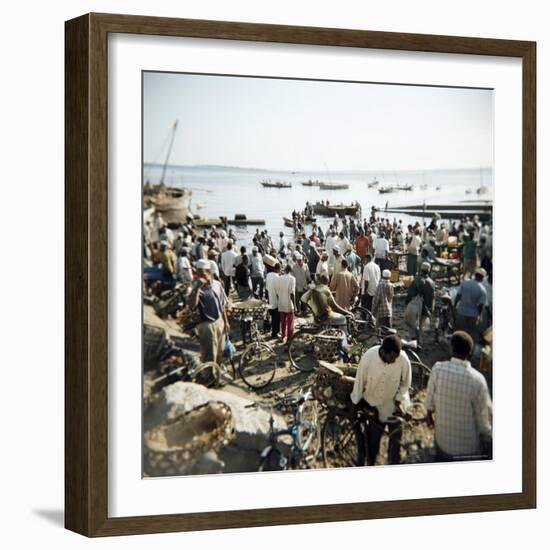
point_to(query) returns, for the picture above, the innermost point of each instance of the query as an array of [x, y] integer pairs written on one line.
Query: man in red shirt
[[362, 245]]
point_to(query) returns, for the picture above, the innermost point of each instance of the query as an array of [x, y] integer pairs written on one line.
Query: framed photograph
[[300, 280]]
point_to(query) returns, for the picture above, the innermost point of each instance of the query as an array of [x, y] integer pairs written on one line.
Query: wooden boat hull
[[331, 210]]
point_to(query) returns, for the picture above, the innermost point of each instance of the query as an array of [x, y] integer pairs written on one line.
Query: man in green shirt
[[470, 254]]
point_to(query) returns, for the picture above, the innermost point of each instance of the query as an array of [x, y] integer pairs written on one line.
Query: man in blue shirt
[[469, 303]]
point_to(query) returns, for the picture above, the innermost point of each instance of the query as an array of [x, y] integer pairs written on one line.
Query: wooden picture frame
[[86, 275]]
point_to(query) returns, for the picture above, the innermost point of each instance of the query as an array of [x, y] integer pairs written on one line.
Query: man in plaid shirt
[[458, 397], [383, 299]]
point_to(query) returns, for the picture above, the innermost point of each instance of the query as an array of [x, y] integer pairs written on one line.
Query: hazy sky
[[311, 125]]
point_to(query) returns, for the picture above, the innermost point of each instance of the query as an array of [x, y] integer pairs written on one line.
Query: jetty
[[482, 209]]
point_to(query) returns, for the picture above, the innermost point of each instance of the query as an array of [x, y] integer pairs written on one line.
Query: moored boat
[[277, 184], [372, 183], [387, 189], [340, 209], [332, 186]]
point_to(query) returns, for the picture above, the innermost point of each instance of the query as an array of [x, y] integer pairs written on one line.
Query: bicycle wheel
[[309, 430], [273, 461], [420, 373], [257, 365], [417, 442], [208, 374], [301, 351], [342, 442]]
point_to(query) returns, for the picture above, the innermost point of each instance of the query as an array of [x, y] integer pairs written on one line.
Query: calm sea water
[[226, 192]]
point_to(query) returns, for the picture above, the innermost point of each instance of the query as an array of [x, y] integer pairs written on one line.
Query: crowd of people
[[325, 272]]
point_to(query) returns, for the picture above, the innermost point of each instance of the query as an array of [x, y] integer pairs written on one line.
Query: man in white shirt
[[272, 288], [286, 291], [369, 282], [382, 385], [282, 243], [330, 244], [343, 242], [413, 250], [381, 249], [227, 261]]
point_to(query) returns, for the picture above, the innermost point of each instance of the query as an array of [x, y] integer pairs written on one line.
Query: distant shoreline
[[317, 171]]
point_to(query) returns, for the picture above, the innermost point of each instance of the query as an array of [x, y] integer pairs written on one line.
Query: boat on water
[[387, 189], [331, 186], [288, 222], [277, 184], [404, 187], [468, 191], [372, 183], [438, 188], [311, 183], [332, 209]]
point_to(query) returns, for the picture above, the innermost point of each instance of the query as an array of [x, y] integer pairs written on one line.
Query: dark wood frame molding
[[86, 282]]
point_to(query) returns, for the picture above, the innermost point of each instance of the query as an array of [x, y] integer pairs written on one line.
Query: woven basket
[[249, 308], [154, 339], [174, 447], [327, 345], [188, 318], [332, 387]]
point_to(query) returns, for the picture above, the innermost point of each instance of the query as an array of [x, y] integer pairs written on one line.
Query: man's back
[[472, 295], [458, 394]]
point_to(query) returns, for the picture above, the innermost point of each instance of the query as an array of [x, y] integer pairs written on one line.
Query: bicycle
[[304, 433], [310, 341], [257, 364], [344, 438], [443, 314]]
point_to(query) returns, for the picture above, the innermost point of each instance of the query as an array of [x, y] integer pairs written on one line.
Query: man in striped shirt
[[459, 405]]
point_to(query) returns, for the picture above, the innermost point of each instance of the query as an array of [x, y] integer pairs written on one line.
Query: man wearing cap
[[382, 303], [227, 260], [257, 273], [210, 299], [301, 273], [345, 287], [420, 302], [369, 281], [382, 385], [470, 300], [459, 405]]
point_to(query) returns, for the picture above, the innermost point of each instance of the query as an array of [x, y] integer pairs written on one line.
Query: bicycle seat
[[411, 344], [387, 331]]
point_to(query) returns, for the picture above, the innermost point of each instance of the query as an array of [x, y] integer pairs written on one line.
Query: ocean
[[219, 191]]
